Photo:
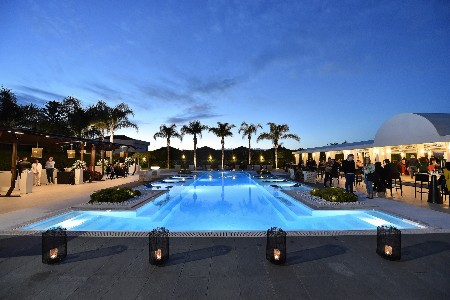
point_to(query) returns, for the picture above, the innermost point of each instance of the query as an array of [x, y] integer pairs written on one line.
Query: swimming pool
[[223, 201]]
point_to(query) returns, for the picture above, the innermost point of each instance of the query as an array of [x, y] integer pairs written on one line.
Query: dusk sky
[[331, 70]]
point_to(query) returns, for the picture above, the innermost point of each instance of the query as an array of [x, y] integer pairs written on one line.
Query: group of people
[[377, 176], [413, 165], [117, 170], [36, 168]]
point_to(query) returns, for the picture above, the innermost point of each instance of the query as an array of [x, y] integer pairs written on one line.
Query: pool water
[[223, 201]]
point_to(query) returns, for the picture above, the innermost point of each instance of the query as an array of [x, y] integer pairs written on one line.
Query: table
[[65, 177]]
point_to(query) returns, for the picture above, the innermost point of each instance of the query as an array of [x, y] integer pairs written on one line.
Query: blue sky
[[331, 70]]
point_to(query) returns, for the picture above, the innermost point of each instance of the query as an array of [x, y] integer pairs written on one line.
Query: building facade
[[134, 146], [421, 134]]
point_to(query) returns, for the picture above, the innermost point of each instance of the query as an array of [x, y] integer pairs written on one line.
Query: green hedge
[[334, 194], [114, 195]]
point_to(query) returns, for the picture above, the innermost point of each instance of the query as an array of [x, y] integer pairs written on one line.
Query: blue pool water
[[220, 201]]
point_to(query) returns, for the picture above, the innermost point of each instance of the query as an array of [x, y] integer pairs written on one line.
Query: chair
[[445, 192], [421, 178], [396, 183], [320, 172], [358, 177]]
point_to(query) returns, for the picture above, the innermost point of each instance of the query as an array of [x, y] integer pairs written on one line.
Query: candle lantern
[[54, 245], [122, 154], [108, 153], [276, 245], [389, 242], [70, 153], [36, 152], [158, 246]]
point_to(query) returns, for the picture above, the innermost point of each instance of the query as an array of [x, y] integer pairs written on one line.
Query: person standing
[[335, 172], [49, 168], [369, 170], [348, 166], [413, 163], [447, 175], [328, 170], [36, 168]]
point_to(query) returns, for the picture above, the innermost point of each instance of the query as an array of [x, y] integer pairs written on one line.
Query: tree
[[194, 128], [222, 130], [77, 117], [55, 118], [118, 119], [248, 130], [98, 117], [277, 133], [30, 116], [168, 132], [8, 108]]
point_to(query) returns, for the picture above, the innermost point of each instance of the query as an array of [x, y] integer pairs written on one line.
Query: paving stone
[[94, 287], [125, 288]]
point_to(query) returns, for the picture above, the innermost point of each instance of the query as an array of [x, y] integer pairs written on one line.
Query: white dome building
[[421, 134]]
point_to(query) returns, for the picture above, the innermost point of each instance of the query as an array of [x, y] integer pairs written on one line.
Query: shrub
[[184, 171], [114, 195], [334, 194], [264, 171]]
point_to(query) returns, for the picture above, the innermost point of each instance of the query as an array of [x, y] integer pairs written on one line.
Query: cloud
[[38, 93], [195, 112], [39, 97], [212, 86]]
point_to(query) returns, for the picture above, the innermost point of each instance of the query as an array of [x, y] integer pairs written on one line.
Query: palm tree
[[194, 128], [118, 119], [98, 117], [277, 133], [247, 130], [222, 130], [168, 132]]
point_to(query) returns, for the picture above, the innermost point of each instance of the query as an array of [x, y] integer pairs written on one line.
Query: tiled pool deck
[[335, 266], [341, 267]]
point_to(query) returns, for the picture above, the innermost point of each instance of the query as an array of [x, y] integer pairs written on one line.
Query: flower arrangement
[[105, 161], [79, 164], [129, 161]]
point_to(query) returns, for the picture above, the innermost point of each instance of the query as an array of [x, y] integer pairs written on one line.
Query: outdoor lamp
[[276, 245], [158, 246], [70, 153], [389, 242], [54, 245]]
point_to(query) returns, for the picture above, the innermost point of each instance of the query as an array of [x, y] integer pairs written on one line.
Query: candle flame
[[276, 254], [158, 254], [388, 250], [54, 253]]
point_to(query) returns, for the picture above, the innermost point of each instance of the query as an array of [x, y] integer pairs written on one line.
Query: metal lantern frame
[[158, 246], [389, 242], [54, 245], [276, 245]]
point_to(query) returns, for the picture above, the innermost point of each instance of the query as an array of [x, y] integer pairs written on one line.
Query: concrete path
[[48, 199]]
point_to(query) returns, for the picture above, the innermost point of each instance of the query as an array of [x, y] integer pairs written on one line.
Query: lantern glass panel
[[158, 246], [54, 245], [389, 242], [36, 152], [70, 153], [276, 245]]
